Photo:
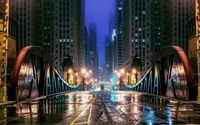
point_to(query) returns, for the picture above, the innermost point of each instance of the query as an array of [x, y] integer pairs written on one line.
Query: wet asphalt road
[[100, 108]]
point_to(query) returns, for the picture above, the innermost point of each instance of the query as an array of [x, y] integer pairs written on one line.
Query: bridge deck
[[101, 108]]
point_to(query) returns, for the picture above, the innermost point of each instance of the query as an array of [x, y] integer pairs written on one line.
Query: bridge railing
[[34, 75], [170, 75]]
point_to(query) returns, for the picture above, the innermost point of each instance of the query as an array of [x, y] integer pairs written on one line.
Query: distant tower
[[87, 48], [93, 50], [112, 41], [108, 59], [119, 34]]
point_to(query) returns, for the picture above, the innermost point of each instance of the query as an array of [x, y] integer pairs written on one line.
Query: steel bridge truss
[[170, 75], [34, 75]]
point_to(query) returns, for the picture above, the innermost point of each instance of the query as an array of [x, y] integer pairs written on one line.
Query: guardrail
[[34, 75], [170, 75]]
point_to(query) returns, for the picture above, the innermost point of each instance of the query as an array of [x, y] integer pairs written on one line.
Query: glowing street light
[[120, 74], [85, 74], [136, 75]]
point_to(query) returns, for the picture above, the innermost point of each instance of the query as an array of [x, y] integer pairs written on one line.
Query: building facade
[[180, 9], [193, 42], [56, 26], [25, 11], [144, 27], [11, 51], [118, 61], [94, 65]]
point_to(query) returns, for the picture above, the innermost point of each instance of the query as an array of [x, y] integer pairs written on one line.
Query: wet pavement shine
[[100, 108]]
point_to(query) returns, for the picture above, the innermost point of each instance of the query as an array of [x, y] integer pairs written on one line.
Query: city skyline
[[95, 14]]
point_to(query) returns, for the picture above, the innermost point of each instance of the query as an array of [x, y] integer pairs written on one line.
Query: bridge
[[37, 93]]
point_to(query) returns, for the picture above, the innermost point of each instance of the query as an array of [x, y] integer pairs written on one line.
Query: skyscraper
[[110, 55], [56, 26], [25, 11], [11, 39], [108, 59], [135, 29], [180, 9], [146, 26], [193, 41], [119, 34], [93, 50]]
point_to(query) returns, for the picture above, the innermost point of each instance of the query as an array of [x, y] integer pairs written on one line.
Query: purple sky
[[98, 11]]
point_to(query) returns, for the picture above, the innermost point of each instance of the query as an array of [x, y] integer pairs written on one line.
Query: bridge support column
[[198, 97], [3, 94]]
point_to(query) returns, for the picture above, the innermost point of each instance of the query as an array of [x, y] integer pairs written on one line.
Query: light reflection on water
[[145, 109]]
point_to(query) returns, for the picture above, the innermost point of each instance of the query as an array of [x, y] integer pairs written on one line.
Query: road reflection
[[101, 108]]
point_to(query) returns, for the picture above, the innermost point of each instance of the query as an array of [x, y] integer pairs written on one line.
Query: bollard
[[3, 94], [198, 97]]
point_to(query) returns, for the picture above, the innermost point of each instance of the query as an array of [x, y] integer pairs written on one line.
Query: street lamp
[[85, 74], [69, 71], [67, 66], [128, 74], [75, 77], [120, 74], [146, 58], [136, 75], [83, 70]]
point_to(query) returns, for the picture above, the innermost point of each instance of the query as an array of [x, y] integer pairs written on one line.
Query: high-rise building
[[108, 59], [163, 33], [126, 30], [87, 48], [93, 51], [112, 43], [137, 30], [11, 42], [193, 42], [56, 26], [25, 11], [110, 55], [119, 34], [179, 13], [146, 26]]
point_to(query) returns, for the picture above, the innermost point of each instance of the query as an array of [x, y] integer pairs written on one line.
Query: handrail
[[161, 78], [43, 75]]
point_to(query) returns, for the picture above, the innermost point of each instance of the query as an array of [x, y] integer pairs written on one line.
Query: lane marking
[[90, 112], [80, 123]]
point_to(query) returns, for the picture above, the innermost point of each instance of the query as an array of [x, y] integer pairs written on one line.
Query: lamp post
[[136, 75], [91, 82], [146, 58], [136, 67], [67, 66], [75, 77], [85, 74], [120, 74], [69, 71], [128, 74], [83, 71]]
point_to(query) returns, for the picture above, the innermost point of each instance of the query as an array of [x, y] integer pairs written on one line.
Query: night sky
[[98, 11]]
